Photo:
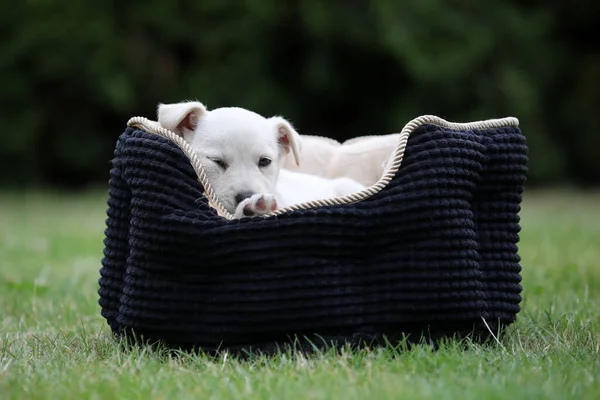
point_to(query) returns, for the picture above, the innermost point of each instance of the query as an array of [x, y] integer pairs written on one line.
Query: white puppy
[[242, 154]]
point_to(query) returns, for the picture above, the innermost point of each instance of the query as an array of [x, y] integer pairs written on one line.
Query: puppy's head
[[241, 151]]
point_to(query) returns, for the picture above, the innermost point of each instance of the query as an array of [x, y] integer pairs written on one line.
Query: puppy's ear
[[181, 118], [287, 137]]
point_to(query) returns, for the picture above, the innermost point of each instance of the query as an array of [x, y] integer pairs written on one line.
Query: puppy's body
[[296, 187], [363, 159], [242, 154]]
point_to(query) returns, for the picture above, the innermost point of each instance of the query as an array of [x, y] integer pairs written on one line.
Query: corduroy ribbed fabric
[[433, 253]]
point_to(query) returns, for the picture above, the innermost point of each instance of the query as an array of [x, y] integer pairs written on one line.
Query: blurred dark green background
[[73, 72]]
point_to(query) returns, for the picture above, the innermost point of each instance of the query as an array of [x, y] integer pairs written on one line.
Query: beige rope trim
[[392, 169]]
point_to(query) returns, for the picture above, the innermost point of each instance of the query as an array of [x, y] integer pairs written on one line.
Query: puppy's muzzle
[[241, 196]]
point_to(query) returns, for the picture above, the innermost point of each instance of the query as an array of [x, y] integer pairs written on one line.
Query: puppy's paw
[[258, 204]]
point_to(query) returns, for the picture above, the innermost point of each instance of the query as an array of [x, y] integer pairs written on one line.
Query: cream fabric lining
[[362, 159], [391, 169]]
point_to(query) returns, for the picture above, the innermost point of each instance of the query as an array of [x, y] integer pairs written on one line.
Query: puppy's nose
[[241, 196]]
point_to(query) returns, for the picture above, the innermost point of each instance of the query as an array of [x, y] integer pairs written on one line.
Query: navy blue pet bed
[[429, 251]]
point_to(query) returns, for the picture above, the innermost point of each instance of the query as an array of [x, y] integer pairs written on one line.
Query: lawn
[[54, 343]]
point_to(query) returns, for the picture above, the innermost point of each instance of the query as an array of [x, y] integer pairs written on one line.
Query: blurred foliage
[[72, 73]]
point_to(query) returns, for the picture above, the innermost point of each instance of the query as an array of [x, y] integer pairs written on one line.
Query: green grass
[[54, 344]]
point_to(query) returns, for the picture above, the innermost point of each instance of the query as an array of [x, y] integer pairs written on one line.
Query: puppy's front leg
[[258, 204]]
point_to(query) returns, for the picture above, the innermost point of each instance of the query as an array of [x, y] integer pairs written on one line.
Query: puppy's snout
[[241, 196]]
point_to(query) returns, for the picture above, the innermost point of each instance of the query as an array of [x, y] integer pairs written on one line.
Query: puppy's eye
[[264, 162], [219, 162]]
